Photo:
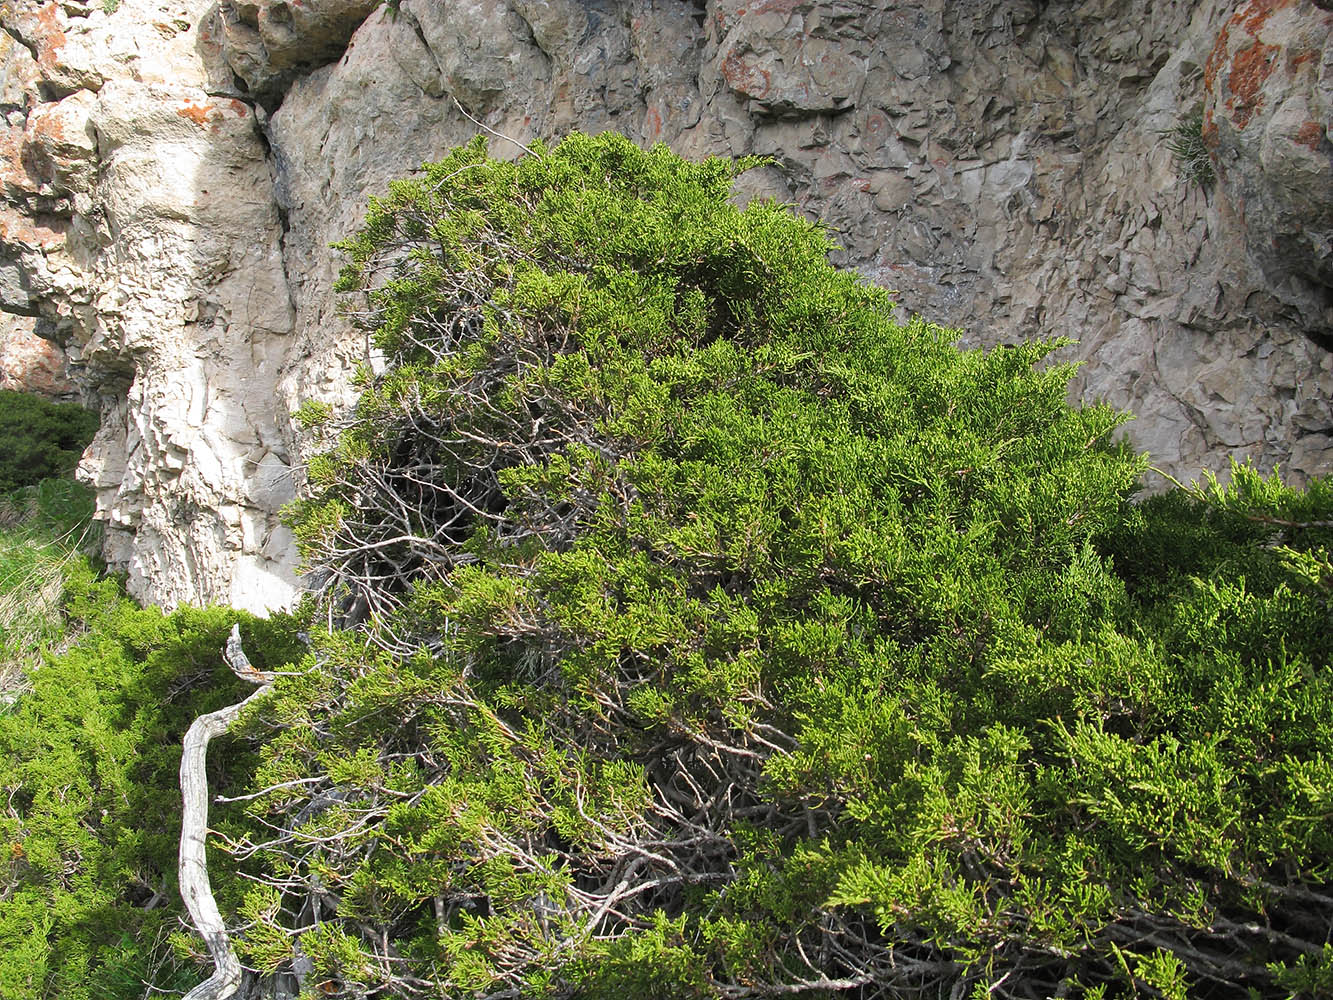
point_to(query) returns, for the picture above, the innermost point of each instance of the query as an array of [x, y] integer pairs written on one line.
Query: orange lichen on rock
[[1256, 14], [30, 364], [774, 7], [652, 123], [1209, 132], [1296, 58], [1214, 60], [17, 229], [1310, 134], [746, 78], [1250, 67], [197, 113], [210, 115], [52, 38]]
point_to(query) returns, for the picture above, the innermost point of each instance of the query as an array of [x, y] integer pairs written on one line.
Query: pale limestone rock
[[60, 145], [192, 305], [143, 221], [268, 43], [145, 40], [19, 74], [483, 49]]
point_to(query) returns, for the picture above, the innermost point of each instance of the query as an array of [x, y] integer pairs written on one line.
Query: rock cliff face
[[30, 364], [174, 172]]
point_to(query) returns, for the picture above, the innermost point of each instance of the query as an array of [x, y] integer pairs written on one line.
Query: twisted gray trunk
[[196, 890]]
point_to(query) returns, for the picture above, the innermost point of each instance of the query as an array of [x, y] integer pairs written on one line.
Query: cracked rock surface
[[140, 221], [172, 175]]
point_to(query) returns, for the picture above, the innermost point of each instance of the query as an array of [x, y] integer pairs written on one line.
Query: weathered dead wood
[[196, 890]]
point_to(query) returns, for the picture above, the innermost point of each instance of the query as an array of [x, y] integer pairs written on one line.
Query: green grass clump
[[42, 529], [1185, 141]]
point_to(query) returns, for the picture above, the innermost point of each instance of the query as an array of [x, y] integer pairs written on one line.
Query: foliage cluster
[[695, 629], [1185, 141], [718, 636], [40, 439], [89, 815]]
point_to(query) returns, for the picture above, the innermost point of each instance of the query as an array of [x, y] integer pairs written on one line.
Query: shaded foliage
[[40, 439], [42, 528]]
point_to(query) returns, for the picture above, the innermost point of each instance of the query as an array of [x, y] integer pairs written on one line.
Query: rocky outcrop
[[173, 175], [143, 224], [1005, 168], [269, 43], [193, 311], [1269, 124], [30, 364]]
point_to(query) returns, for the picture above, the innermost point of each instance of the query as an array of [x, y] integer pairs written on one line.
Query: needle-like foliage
[[39, 439], [711, 633], [89, 809]]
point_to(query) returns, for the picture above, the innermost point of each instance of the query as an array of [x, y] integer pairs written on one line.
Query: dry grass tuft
[[42, 529]]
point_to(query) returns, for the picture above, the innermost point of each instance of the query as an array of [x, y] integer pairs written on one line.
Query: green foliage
[[312, 414], [39, 439], [88, 761], [42, 528], [706, 633], [737, 640], [1185, 141]]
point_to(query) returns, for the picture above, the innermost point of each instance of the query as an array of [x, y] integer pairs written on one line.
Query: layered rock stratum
[[173, 174]]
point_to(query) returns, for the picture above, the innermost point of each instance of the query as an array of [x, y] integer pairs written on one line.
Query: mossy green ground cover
[[689, 627]]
